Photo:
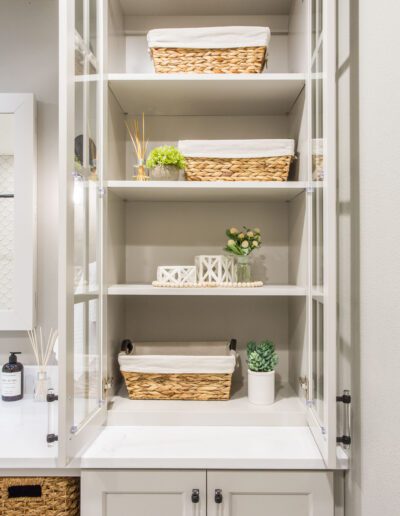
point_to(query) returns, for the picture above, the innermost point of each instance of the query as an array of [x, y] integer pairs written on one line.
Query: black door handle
[[218, 496], [195, 495]]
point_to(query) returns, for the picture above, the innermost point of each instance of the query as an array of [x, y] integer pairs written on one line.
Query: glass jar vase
[[140, 171], [243, 269]]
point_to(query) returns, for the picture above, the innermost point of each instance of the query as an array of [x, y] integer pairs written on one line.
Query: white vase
[[261, 387]]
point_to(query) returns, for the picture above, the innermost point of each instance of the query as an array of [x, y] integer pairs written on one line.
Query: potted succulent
[[241, 244], [261, 360], [164, 163]]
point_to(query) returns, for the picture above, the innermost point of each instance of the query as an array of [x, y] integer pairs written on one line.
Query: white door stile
[[330, 230], [65, 259]]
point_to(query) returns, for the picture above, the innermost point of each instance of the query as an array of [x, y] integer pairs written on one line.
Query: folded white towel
[[170, 364], [209, 37], [236, 148]]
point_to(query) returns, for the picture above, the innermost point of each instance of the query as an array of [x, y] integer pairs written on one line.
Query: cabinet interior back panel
[[173, 233]]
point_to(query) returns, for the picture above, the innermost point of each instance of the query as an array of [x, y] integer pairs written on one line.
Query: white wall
[[373, 483], [29, 63]]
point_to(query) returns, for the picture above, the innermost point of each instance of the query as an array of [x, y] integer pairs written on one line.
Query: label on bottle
[[11, 384]]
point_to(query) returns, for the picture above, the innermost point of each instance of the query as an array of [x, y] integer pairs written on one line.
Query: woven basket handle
[[25, 491], [127, 346]]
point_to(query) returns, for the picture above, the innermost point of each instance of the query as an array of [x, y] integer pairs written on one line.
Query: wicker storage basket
[[43, 496], [178, 371], [209, 50], [228, 160]]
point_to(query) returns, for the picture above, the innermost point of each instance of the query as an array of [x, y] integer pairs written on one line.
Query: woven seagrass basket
[[200, 387], [274, 168], [39, 496], [205, 60], [154, 371]]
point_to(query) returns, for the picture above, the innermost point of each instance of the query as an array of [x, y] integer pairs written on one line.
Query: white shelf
[[207, 94], [210, 191], [205, 447], [287, 410], [205, 7], [149, 290]]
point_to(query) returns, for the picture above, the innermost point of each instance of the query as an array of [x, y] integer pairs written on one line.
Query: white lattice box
[[215, 268], [176, 274]]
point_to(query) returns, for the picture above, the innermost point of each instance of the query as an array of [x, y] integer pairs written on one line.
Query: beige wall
[[29, 64]]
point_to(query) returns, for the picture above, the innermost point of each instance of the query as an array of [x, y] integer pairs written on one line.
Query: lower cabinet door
[[262, 493], [143, 493]]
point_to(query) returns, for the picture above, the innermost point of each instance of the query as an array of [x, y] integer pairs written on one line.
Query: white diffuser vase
[[261, 387]]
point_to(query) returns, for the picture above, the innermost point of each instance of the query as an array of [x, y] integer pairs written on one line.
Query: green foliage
[[165, 155], [262, 357], [242, 243]]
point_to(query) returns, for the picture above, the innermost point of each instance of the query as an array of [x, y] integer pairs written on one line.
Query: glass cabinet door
[[82, 409], [323, 234]]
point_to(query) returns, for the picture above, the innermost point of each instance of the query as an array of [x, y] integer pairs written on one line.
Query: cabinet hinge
[[310, 189], [303, 382], [345, 438], [101, 192], [107, 384]]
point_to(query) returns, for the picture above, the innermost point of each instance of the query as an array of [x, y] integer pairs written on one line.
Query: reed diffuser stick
[[139, 144]]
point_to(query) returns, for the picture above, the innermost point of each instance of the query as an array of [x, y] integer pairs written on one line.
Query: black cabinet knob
[[218, 496], [195, 495]]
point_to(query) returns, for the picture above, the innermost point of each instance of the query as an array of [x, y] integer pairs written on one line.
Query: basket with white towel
[[237, 160], [209, 49], [178, 370]]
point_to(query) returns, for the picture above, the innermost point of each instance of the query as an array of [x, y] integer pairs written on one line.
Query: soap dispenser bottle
[[12, 379]]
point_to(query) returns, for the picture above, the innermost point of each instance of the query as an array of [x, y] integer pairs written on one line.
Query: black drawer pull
[[218, 496], [195, 495], [25, 491]]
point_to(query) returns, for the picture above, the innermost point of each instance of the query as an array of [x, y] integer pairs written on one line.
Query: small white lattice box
[[176, 274], [215, 268]]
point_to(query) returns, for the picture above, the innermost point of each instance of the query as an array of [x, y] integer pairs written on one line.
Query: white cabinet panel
[[143, 493], [149, 504], [260, 493]]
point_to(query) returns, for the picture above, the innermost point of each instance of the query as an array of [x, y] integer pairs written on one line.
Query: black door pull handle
[[218, 496], [195, 495]]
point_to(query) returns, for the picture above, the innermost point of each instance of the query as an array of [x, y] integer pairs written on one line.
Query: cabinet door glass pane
[[318, 359], [86, 37], [319, 182], [7, 208], [87, 351]]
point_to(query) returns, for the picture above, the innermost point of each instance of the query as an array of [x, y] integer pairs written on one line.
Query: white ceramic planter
[[261, 387]]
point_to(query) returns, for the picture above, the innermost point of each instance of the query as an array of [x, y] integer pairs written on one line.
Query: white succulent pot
[[261, 387]]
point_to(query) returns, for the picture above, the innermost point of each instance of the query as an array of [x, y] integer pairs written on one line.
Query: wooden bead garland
[[209, 284]]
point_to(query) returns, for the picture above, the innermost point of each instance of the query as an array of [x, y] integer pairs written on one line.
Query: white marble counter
[[206, 447], [23, 431]]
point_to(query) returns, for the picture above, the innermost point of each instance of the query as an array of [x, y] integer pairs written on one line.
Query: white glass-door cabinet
[[114, 232]]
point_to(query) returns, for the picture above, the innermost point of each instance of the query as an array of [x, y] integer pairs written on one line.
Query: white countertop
[[206, 447], [23, 431]]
